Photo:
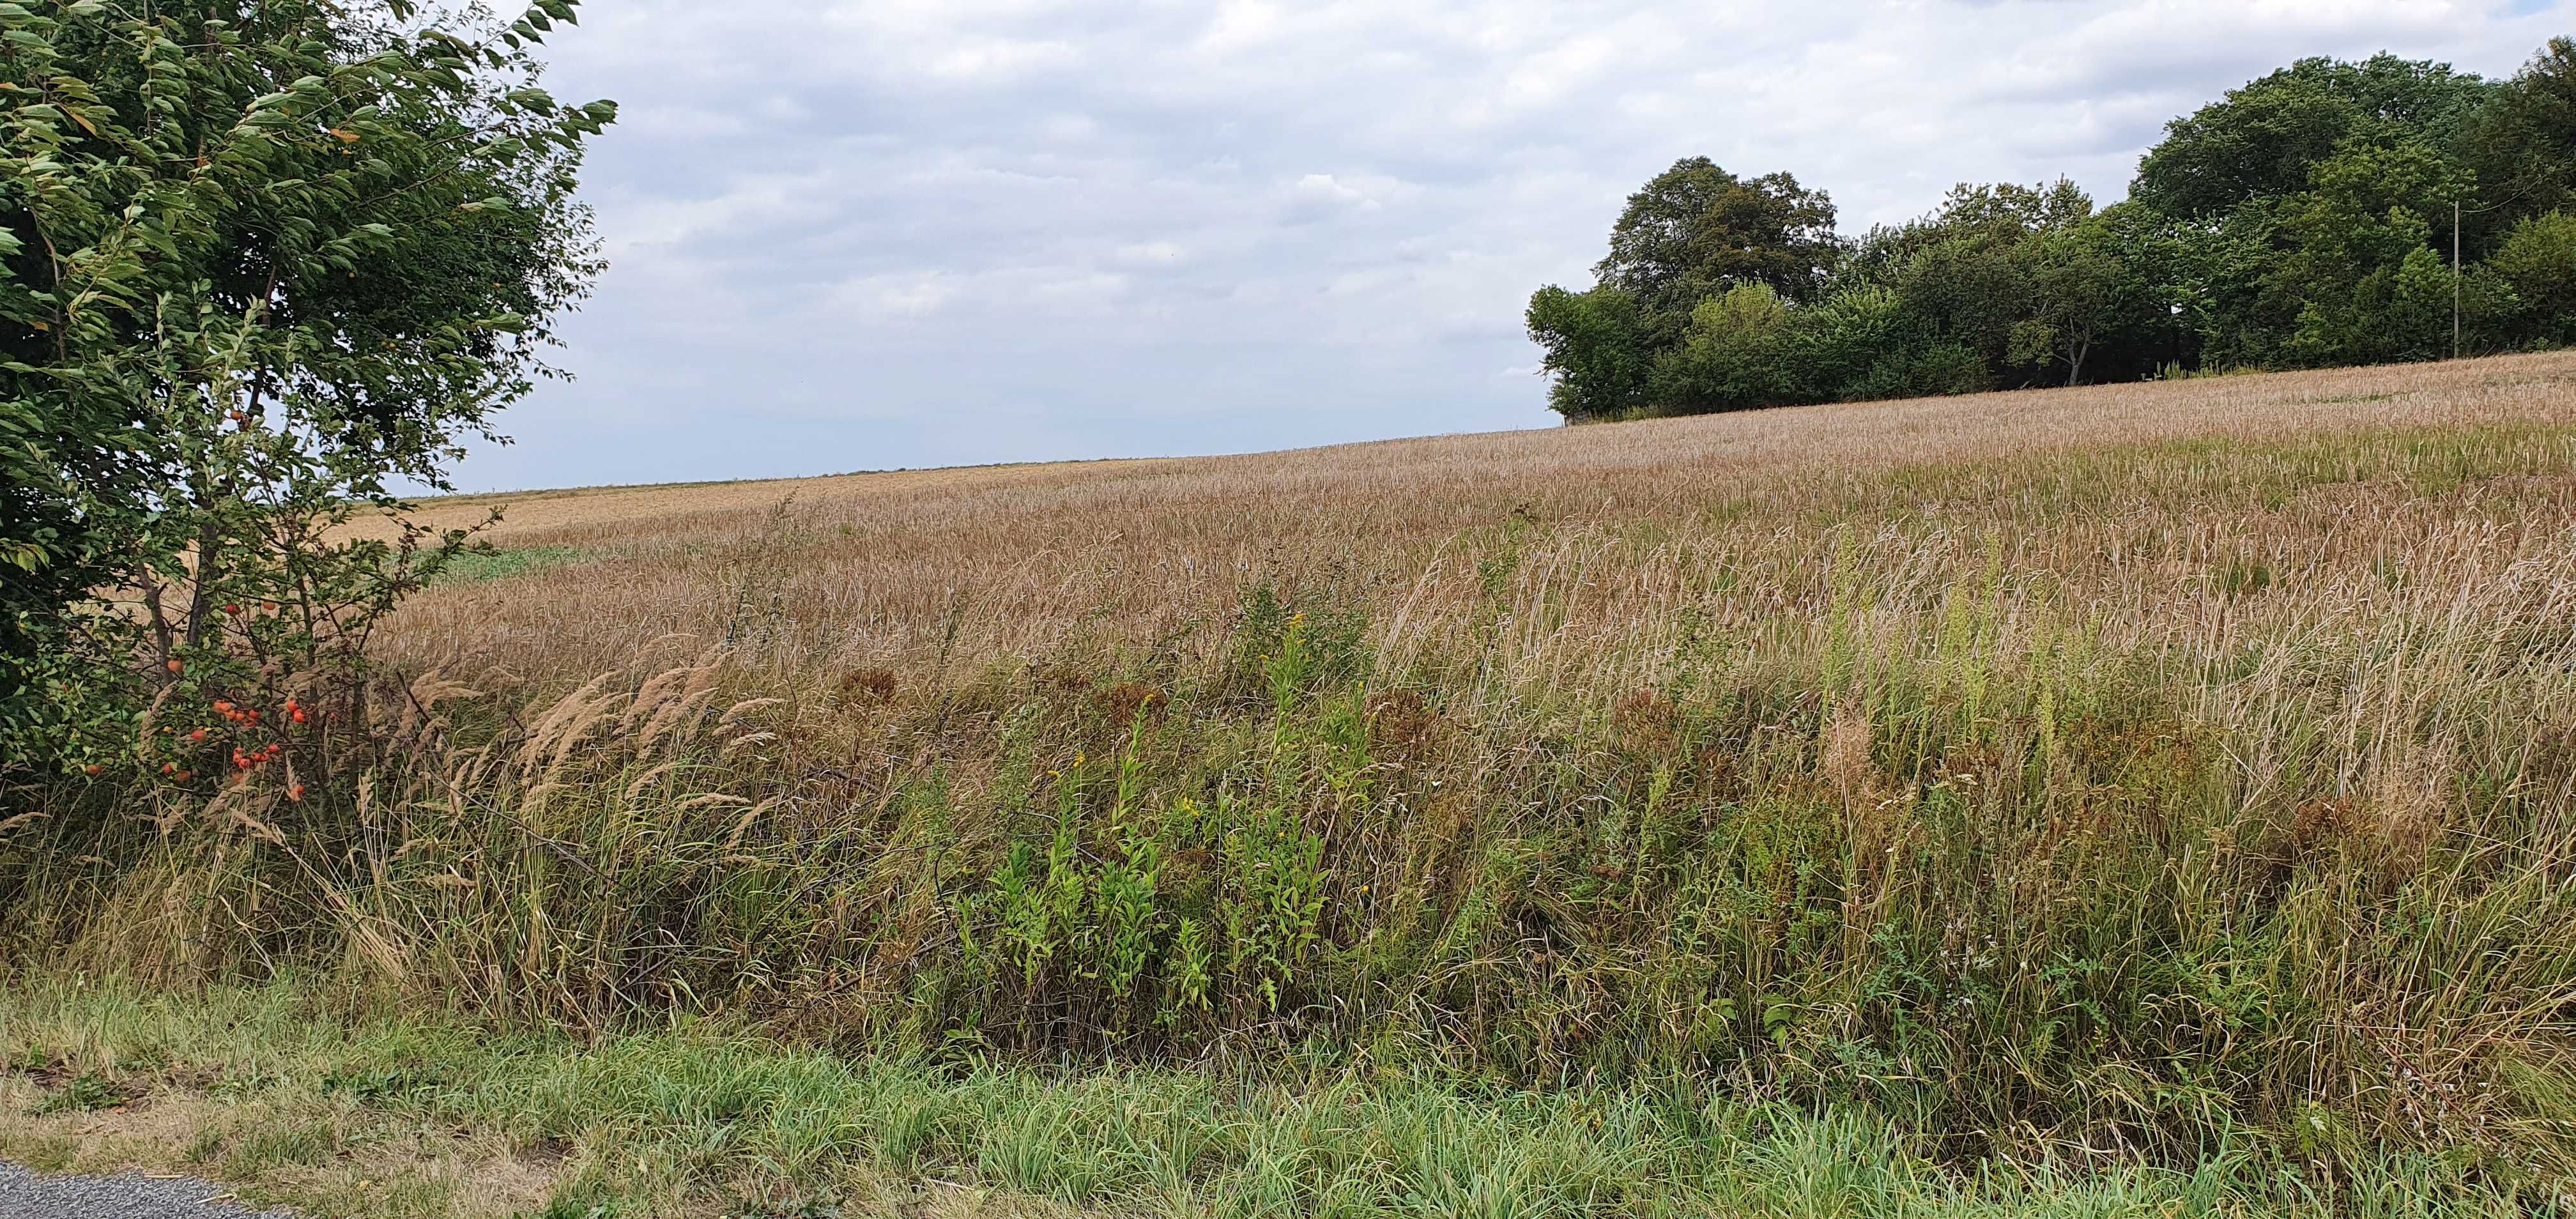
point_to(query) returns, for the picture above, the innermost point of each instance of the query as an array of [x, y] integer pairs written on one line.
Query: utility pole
[[2455, 279]]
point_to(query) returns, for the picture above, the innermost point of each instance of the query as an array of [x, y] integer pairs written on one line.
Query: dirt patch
[[356, 1163]]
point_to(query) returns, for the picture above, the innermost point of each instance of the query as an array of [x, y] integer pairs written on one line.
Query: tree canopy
[[2304, 219], [1695, 230], [259, 261]]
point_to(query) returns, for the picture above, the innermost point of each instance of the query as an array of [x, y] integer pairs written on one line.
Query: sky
[[902, 233]]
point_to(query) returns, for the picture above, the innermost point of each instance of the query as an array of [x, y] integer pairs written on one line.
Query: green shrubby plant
[[261, 266]]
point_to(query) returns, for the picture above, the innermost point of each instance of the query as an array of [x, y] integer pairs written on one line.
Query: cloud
[[1317, 196], [883, 297], [1151, 253], [871, 233]]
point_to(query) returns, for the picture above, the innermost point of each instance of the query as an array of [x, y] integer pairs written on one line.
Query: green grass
[[701, 1118], [477, 566]]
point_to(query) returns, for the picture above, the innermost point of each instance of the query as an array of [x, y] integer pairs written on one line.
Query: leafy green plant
[[1273, 903], [257, 268], [83, 1093]]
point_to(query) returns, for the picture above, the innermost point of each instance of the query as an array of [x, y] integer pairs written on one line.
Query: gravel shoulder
[[26, 1195]]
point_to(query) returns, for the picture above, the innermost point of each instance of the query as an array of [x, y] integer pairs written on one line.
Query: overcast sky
[[888, 233]]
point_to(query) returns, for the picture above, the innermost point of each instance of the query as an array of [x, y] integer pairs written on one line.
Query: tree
[[1963, 280], [258, 261], [2261, 139], [1594, 349], [1695, 231], [2361, 276], [2537, 264], [2523, 145], [2008, 211], [1844, 342], [2304, 219], [2401, 311], [1738, 353], [2081, 295]]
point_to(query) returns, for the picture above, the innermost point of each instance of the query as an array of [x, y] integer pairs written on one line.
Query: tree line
[[2306, 219]]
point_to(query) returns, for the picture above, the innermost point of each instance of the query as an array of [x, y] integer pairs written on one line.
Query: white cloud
[[1152, 253], [988, 59], [1319, 194], [878, 297]]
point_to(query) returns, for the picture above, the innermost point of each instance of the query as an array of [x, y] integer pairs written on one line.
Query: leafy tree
[[1852, 343], [2009, 212], [2361, 277], [2082, 295], [1695, 231], [1738, 353], [1594, 349], [1969, 293], [2258, 142], [2537, 265], [2523, 144], [259, 260], [2396, 312], [1963, 279], [2261, 140]]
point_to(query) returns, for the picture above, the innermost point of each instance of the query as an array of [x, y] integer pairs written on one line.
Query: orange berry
[[173, 666], [92, 769], [296, 792], [198, 735]]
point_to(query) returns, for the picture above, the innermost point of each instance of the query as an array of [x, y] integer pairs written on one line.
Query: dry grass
[[2101, 776], [271, 1150], [1013, 561], [643, 507]]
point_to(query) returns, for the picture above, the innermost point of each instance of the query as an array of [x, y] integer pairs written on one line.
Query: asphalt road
[[24, 1195]]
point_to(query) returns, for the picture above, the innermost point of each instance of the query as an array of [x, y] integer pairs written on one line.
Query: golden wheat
[[1623, 522]]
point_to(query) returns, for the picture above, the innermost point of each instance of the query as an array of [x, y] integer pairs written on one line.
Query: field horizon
[[897, 477]]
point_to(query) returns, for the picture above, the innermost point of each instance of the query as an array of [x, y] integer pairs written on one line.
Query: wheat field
[[2150, 775], [1012, 561]]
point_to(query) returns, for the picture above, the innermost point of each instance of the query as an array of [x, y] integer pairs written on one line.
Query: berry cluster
[[257, 739]]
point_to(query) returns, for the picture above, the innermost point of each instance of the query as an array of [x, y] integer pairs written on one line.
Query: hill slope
[[2164, 775]]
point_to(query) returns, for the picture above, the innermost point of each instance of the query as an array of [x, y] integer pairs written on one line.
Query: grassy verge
[[289, 1104]]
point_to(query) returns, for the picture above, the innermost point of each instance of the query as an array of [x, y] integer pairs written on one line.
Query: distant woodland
[[2304, 220]]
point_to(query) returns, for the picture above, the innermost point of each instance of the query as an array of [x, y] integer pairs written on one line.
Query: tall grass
[[2183, 780]]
